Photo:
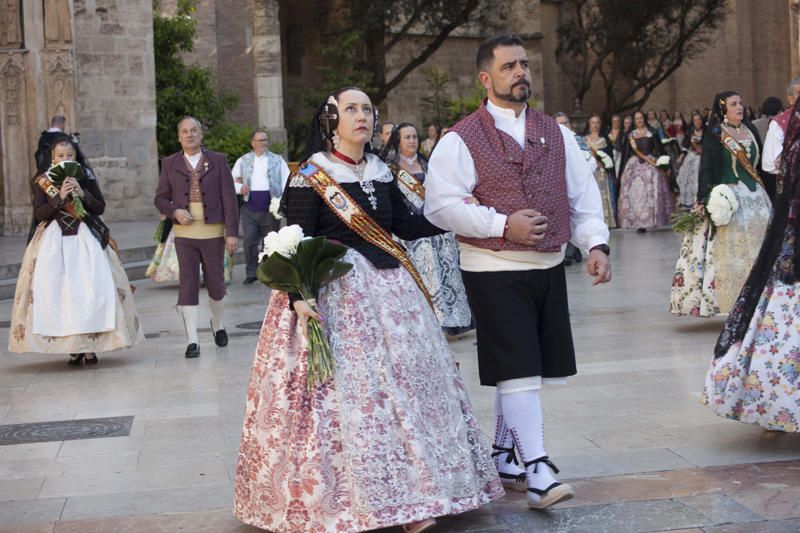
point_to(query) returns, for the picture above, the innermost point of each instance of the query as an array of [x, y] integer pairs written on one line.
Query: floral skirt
[[436, 260], [607, 196], [758, 380], [693, 282], [688, 179], [164, 264], [736, 245], [391, 439], [645, 198], [127, 329]]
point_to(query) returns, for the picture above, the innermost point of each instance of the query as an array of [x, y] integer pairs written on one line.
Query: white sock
[[217, 313], [502, 439], [523, 414], [189, 315]]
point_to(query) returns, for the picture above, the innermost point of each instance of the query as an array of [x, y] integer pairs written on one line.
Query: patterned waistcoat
[[510, 178], [273, 172]]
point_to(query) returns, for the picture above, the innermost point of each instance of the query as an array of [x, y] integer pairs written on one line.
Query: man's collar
[[54, 130], [503, 112]]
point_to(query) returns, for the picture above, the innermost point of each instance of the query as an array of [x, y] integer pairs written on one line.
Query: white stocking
[[502, 439], [189, 315], [522, 411], [217, 313]]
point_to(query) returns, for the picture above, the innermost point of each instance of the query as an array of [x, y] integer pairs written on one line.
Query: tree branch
[[434, 45]]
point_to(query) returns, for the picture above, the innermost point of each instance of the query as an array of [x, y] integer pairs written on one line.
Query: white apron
[[73, 291]]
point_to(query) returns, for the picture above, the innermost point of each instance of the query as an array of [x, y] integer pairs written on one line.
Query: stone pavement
[[628, 431]]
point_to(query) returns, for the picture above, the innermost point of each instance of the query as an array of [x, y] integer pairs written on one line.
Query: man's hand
[[245, 189], [183, 217], [231, 244], [599, 266], [526, 226]]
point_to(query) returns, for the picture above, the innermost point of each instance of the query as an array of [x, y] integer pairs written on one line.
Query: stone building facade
[[91, 61], [756, 52]]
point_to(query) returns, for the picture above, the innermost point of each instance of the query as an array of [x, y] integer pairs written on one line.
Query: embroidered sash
[[69, 209], [349, 212], [638, 152], [736, 149], [411, 187], [51, 191]]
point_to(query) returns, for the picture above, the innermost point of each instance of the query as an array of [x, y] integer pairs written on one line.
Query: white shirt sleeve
[[773, 146], [585, 205], [237, 175], [450, 180]]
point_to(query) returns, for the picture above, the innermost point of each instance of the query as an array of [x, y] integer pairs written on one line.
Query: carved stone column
[[16, 201], [60, 72], [268, 76]]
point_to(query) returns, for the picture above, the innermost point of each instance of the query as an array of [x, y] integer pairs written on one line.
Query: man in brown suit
[[196, 191]]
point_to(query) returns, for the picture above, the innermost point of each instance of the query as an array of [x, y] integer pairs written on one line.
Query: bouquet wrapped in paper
[[59, 172], [719, 209], [605, 160], [663, 161], [294, 263]]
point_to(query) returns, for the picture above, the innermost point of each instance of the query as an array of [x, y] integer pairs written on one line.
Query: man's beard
[[510, 96]]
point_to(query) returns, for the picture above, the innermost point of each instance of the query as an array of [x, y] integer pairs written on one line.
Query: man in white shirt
[[260, 176], [773, 144], [535, 192]]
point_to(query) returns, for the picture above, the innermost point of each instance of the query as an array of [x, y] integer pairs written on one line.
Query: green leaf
[[335, 271], [277, 272]]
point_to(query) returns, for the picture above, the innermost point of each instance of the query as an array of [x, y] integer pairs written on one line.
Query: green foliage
[[461, 107], [231, 139], [186, 89], [437, 105]]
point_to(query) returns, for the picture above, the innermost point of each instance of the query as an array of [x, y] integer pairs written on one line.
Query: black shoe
[[220, 337], [90, 360], [641, 230], [248, 281], [75, 359], [192, 351]]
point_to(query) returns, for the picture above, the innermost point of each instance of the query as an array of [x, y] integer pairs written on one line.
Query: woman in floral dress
[[690, 162], [645, 199], [603, 151], [755, 374], [72, 294], [713, 263], [436, 258], [391, 439]]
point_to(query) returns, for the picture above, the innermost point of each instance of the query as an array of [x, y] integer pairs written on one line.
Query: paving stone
[[625, 517]]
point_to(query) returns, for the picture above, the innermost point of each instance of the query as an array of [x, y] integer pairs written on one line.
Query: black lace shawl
[[784, 217]]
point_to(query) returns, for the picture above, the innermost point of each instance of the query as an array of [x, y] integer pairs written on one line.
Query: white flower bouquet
[[292, 262], [721, 205], [605, 160], [719, 208], [274, 207], [663, 161]]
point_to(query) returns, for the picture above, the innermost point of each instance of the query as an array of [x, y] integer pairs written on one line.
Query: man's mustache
[[526, 83]]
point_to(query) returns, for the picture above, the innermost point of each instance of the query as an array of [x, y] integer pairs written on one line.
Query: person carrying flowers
[[382, 433], [732, 211], [72, 294]]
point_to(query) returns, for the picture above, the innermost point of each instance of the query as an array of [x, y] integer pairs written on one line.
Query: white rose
[[288, 239], [274, 206], [722, 204], [269, 246]]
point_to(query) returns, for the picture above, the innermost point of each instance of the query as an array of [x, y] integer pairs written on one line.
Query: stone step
[[135, 261]]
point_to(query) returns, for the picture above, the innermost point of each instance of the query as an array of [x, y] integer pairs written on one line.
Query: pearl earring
[[336, 140]]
